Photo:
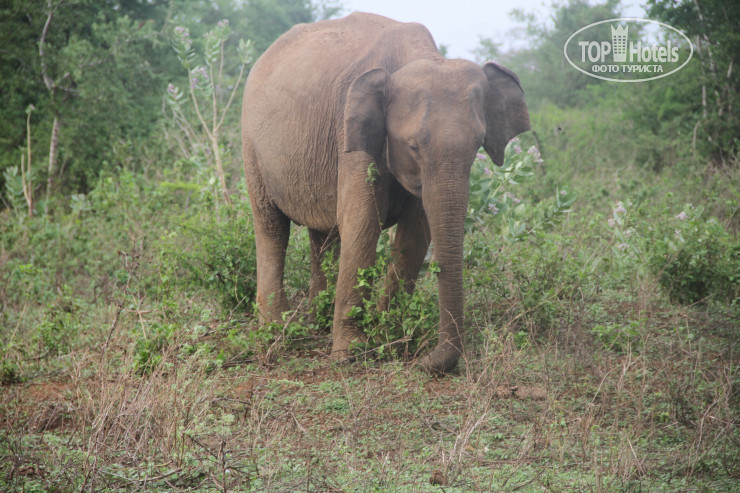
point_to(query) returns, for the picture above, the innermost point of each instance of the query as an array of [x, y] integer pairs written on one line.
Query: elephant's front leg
[[358, 252], [359, 217], [409, 249]]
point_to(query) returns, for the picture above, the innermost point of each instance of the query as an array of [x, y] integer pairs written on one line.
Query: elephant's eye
[[414, 147]]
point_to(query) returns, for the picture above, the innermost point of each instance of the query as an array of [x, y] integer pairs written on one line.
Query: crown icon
[[619, 43]]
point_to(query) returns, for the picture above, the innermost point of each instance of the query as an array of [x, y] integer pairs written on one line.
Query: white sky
[[459, 24]]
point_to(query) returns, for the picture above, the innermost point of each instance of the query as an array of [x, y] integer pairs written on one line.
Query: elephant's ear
[[506, 112], [364, 113]]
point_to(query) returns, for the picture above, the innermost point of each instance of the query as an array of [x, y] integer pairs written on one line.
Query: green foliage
[[14, 187], [372, 173], [322, 306], [150, 341], [107, 66], [712, 26], [410, 320], [695, 259], [61, 324], [491, 194], [211, 93], [618, 338], [543, 54], [9, 372], [213, 251]]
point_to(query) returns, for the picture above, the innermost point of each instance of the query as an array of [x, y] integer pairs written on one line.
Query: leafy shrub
[[9, 372], [61, 323], [322, 306], [215, 251], [695, 259], [618, 338], [149, 344], [492, 190], [23, 280], [410, 318]]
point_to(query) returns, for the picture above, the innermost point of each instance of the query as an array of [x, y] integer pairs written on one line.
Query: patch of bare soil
[[38, 406]]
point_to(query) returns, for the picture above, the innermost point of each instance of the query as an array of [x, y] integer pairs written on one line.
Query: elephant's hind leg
[[321, 244], [271, 231]]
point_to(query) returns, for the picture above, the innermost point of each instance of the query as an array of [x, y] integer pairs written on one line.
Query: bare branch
[[233, 93], [48, 81]]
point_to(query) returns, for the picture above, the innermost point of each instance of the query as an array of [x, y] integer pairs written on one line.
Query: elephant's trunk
[[445, 202]]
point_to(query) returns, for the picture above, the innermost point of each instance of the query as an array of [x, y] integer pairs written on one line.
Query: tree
[[487, 50], [542, 68], [84, 65], [714, 27], [208, 92], [96, 71]]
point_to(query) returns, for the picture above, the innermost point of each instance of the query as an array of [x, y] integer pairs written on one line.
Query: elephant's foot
[[272, 307], [441, 360], [340, 350]]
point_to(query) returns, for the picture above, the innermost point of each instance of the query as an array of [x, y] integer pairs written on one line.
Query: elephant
[[354, 125]]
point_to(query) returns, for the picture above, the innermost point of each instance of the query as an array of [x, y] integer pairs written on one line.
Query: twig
[[131, 269]]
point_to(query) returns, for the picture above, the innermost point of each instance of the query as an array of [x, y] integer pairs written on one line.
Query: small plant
[[215, 251], [60, 325], [623, 232], [207, 83], [9, 372], [149, 344], [618, 338], [19, 182], [322, 306], [695, 259], [492, 194]]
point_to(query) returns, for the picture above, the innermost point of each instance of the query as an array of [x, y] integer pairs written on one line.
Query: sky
[[459, 24]]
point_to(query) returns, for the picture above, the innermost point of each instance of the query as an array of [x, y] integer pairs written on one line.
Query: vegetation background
[[602, 268]]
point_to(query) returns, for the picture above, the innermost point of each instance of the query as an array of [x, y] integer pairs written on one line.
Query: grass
[[132, 360], [563, 409], [543, 416]]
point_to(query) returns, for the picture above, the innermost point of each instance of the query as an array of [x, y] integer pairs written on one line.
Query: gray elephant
[[353, 125]]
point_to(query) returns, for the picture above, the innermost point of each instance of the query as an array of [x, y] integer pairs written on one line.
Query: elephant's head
[[431, 117]]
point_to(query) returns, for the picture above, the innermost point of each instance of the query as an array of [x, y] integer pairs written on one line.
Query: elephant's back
[[329, 47], [304, 75]]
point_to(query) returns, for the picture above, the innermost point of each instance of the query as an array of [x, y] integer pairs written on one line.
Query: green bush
[[411, 319], [61, 324], [618, 338], [695, 259], [214, 251], [492, 195], [149, 343], [322, 306]]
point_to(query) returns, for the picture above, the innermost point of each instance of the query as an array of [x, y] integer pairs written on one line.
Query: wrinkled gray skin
[[328, 99]]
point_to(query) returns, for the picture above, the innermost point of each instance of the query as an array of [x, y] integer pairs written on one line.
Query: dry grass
[[530, 408]]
